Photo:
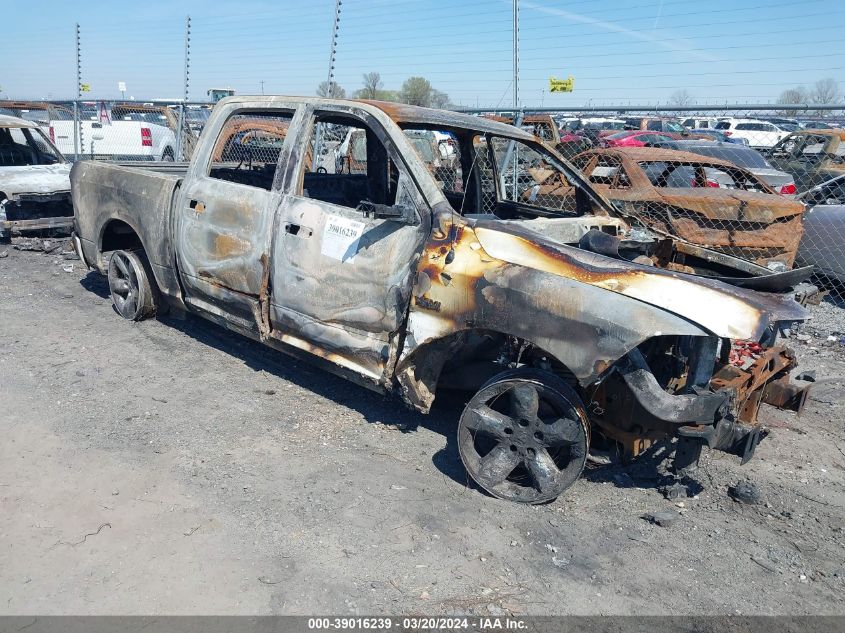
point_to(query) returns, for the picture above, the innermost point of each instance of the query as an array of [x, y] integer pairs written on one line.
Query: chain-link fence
[[764, 184], [112, 130]]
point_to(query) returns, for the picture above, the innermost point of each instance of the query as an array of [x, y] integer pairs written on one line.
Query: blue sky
[[618, 51]]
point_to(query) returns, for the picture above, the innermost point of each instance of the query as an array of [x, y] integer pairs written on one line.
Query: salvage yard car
[[34, 180], [706, 201], [811, 156], [746, 157], [561, 332]]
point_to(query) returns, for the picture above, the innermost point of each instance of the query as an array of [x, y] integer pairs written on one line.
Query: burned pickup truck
[[34, 180], [562, 327]]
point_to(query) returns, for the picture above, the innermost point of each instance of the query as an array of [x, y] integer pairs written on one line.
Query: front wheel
[[523, 436], [129, 283]]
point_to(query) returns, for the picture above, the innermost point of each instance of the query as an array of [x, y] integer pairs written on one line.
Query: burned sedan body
[[706, 201], [545, 310], [34, 180]]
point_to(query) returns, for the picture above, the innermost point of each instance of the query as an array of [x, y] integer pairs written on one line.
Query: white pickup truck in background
[[132, 139]]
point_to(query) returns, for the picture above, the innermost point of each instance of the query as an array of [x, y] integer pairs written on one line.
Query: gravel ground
[[171, 467]]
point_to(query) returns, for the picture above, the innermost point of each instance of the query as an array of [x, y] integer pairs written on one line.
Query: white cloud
[[643, 36]]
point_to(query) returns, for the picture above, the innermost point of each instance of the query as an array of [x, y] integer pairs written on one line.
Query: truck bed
[[106, 194]]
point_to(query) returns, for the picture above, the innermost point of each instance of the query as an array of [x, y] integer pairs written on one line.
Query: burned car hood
[[717, 307], [39, 179]]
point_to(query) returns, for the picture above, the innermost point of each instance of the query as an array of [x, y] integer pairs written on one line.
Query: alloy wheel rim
[[522, 441], [123, 282]]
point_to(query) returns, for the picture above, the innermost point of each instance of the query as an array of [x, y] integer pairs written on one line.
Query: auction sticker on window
[[341, 237]]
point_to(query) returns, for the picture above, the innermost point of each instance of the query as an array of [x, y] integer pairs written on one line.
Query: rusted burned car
[[811, 156], [34, 180], [544, 127], [538, 312], [706, 201]]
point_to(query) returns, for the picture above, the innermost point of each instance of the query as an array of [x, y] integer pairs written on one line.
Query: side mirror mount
[[398, 212]]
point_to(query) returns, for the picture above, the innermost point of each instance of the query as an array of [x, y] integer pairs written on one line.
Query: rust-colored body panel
[[759, 225]]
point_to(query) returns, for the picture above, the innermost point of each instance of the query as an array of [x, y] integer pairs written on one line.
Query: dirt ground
[[171, 467]]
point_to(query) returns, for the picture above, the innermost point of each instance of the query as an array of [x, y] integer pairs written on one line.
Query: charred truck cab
[[506, 277]]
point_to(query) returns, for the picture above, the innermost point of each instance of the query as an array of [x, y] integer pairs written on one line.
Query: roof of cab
[[400, 113], [13, 121]]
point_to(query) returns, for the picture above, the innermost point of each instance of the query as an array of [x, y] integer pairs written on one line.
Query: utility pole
[[77, 128], [330, 81], [262, 86]]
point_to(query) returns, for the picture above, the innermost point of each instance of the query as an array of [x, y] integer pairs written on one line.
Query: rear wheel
[[129, 282], [523, 436]]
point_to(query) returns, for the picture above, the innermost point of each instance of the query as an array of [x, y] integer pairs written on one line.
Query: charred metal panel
[[460, 285], [723, 310], [349, 302], [223, 238], [142, 199]]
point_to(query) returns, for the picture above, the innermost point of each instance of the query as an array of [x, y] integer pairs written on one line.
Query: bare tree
[[792, 96], [680, 98], [372, 86], [826, 91], [334, 91], [795, 95], [440, 99]]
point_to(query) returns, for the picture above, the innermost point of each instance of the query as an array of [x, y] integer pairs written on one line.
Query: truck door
[[348, 237], [224, 216]]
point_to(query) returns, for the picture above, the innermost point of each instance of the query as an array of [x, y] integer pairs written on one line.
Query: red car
[[636, 138]]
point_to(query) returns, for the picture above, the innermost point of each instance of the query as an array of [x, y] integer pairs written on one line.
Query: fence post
[[186, 81], [318, 136], [76, 126], [515, 55]]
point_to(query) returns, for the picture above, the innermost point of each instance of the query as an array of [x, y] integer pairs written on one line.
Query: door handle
[[197, 206], [298, 230]]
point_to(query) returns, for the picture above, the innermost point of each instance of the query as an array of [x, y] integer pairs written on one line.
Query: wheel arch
[[119, 233], [468, 358]]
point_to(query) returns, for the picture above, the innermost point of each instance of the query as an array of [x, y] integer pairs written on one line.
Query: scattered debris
[[85, 537], [624, 480], [676, 490], [664, 518], [808, 375], [4, 254], [745, 492], [765, 565]]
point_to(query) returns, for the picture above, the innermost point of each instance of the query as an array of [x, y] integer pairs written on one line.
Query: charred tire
[[524, 436], [132, 291]]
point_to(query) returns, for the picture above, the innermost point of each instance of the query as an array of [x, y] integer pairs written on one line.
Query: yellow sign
[[561, 85], [85, 87]]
